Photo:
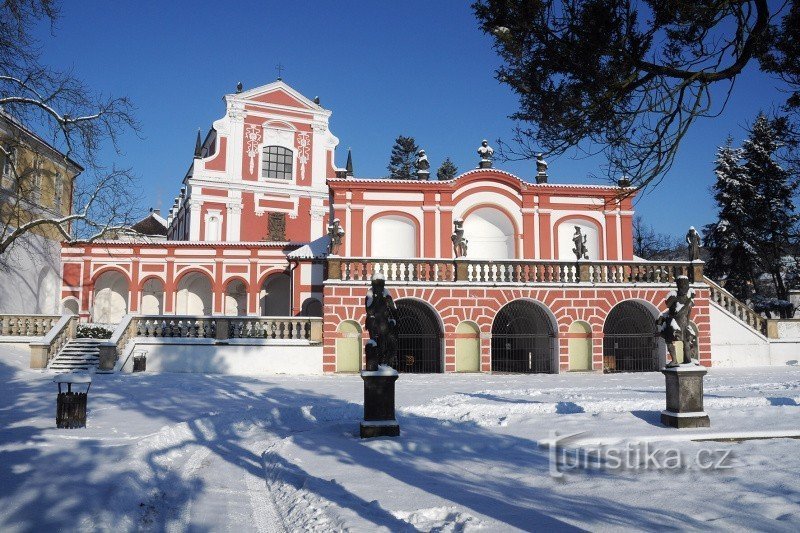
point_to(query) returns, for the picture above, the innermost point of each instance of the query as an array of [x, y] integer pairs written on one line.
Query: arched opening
[[629, 338], [152, 297], [275, 296], [110, 298], [348, 347], [419, 338], [468, 347], [490, 234], [580, 346], [71, 306], [195, 296], [393, 236], [523, 339], [48, 287], [311, 307], [236, 298]]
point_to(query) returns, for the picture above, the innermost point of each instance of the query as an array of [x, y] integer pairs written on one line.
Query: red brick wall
[[481, 304]]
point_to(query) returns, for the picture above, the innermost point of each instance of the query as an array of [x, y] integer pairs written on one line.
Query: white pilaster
[[194, 220]]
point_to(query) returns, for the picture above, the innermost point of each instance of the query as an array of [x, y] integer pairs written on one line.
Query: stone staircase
[[77, 354], [737, 308]]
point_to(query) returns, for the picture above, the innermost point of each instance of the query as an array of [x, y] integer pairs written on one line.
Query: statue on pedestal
[[423, 166], [673, 324], [487, 154], [381, 348], [335, 232], [541, 168], [459, 242], [579, 239], [693, 240]]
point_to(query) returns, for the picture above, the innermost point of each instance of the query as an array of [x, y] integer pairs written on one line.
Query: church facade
[[484, 267]]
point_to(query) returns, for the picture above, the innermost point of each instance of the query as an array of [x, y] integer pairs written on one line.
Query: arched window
[[276, 163]]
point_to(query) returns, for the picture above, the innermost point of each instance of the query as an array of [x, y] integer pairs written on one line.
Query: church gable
[[280, 94]]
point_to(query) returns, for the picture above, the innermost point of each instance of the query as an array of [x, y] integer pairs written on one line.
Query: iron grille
[[629, 353], [522, 339], [629, 341], [419, 338]]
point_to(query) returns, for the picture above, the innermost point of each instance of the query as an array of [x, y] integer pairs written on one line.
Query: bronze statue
[[693, 240], [459, 242], [580, 244], [674, 323], [381, 347], [335, 232]]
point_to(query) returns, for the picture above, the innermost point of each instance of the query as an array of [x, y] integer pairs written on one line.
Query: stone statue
[[459, 242], [423, 166], [335, 232], [580, 244], [381, 347], [541, 168], [693, 240], [673, 324], [487, 154]]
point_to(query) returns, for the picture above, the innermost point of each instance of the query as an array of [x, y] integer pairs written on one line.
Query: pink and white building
[[247, 236]]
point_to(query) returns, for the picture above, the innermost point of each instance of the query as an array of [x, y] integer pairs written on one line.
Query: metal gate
[[629, 342], [522, 339], [419, 338]]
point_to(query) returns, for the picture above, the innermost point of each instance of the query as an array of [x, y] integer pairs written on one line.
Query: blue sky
[[419, 68]]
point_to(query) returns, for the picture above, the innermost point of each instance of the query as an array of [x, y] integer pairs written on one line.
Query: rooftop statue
[[487, 154], [422, 165], [541, 168]]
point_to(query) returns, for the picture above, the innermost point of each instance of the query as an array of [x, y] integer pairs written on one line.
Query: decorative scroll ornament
[[253, 136], [303, 149]]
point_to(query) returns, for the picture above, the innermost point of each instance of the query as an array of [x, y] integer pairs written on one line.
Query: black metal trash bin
[[71, 405], [139, 362]]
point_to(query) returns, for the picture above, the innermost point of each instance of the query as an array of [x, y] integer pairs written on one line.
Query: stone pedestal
[[379, 420], [685, 397], [485, 163]]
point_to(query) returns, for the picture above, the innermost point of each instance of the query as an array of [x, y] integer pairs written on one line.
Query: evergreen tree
[[757, 228], [773, 216], [401, 162], [447, 171], [726, 240]]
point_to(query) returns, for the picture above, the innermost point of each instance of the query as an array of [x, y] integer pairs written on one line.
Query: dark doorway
[[419, 338], [629, 342], [523, 339]]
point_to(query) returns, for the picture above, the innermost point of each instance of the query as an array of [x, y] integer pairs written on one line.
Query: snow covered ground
[[190, 452]]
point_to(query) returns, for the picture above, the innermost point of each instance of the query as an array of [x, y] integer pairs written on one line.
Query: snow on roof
[[425, 183], [316, 249]]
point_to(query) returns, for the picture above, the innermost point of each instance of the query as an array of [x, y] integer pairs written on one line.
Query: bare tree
[[71, 117], [649, 244]]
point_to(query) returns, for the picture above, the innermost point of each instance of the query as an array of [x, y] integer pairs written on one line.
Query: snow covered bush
[[94, 331]]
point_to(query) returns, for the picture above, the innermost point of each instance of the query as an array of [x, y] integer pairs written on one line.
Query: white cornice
[[259, 187]]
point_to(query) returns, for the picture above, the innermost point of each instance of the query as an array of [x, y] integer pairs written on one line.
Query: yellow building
[[36, 181]]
